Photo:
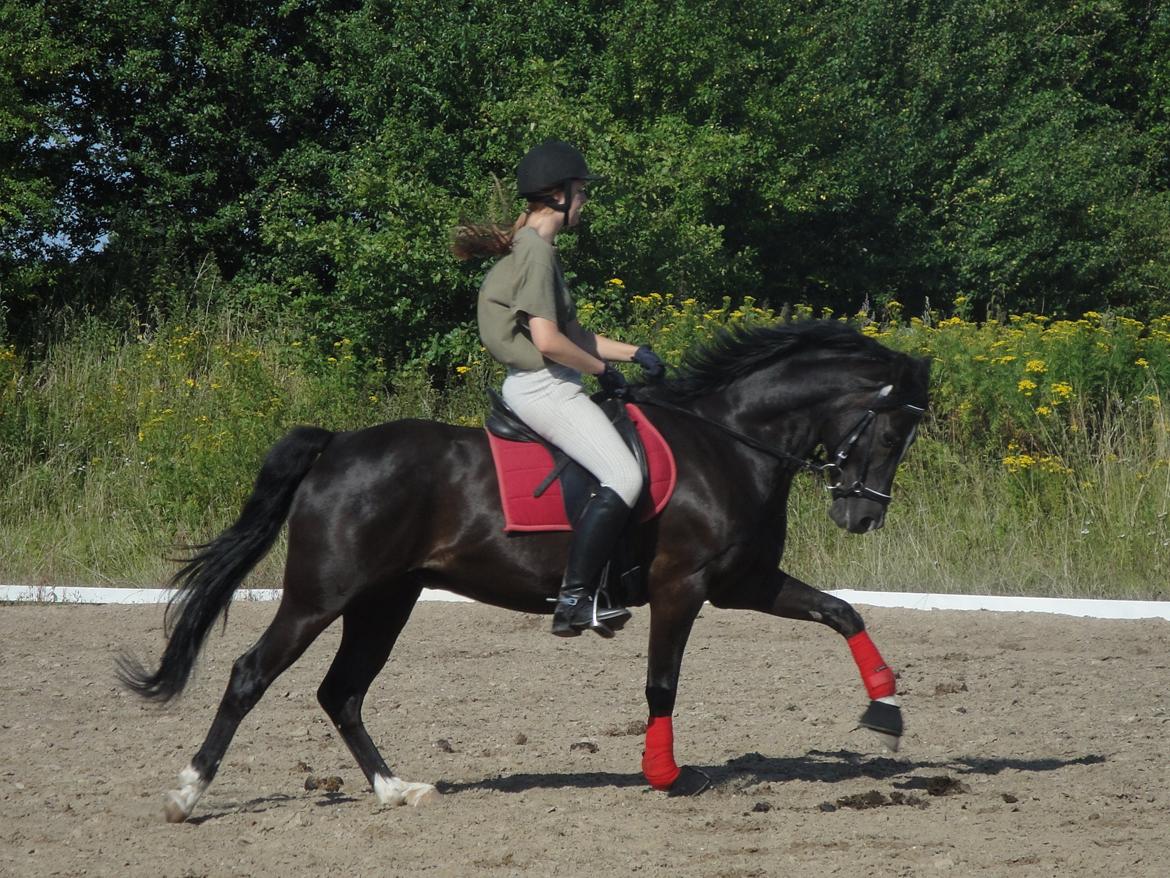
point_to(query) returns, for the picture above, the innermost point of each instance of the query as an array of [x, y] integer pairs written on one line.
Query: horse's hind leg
[[371, 627], [786, 596], [286, 638]]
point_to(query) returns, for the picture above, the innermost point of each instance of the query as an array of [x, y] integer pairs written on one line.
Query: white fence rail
[[1096, 609]]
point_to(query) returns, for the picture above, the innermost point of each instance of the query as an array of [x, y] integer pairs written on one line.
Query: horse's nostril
[[865, 525]]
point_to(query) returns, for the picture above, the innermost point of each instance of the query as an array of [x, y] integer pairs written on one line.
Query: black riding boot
[[594, 536]]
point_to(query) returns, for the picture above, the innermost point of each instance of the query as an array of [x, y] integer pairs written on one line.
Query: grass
[[959, 525], [118, 448]]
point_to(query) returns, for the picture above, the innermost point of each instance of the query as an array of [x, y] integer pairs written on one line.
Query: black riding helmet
[[553, 163]]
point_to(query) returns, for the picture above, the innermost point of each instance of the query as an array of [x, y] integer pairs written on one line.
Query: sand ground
[[1036, 745]]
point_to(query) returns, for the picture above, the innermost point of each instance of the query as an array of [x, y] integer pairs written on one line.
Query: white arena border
[[1091, 608]]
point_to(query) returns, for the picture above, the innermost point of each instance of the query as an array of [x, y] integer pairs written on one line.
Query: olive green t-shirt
[[527, 282]]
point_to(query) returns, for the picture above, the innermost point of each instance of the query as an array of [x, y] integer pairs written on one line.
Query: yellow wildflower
[[1036, 366], [617, 282], [1062, 389], [1015, 463], [1142, 362], [1026, 386], [462, 370]]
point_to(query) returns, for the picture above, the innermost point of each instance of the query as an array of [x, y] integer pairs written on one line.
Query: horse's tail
[[208, 579]]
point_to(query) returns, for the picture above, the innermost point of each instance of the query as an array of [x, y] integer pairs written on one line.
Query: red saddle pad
[[522, 466]]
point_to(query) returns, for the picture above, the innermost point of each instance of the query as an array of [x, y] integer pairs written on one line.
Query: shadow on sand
[[817, 766]]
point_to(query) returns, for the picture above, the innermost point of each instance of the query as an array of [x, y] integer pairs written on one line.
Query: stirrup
[[615, 617], [576, 612]]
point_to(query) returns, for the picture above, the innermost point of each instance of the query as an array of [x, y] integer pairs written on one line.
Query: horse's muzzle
[[857, 514]]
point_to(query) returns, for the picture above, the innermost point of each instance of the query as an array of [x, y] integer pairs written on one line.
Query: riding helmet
[[549, 165]]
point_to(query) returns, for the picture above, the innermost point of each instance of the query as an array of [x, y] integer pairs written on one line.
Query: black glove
[[612, 382], [652, 367]]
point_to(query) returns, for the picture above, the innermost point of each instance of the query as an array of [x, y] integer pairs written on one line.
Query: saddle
[[543, 489]]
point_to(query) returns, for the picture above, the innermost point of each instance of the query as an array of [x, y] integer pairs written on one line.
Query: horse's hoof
[[885, 721], [423, 797], [173, 810], [690, 782], [395, 791], [178, 804]]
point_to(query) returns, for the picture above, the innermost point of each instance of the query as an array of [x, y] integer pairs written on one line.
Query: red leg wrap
[[658, 757], [878, 678]]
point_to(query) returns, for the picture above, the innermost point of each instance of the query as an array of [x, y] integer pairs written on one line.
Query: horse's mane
[[739, 351]]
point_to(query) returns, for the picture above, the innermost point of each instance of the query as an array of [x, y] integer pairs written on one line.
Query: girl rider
[[528, 322]]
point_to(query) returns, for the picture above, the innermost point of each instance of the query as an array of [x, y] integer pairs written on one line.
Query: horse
[[376, 515]]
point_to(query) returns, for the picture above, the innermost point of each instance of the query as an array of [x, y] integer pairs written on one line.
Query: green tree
[[313, 156]]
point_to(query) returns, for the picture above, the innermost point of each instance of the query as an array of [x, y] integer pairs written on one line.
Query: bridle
[[831, 469]]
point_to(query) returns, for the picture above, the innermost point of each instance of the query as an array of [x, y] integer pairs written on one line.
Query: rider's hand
[[652, 366], [612, 381]]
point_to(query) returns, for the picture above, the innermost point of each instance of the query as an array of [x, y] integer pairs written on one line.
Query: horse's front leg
[[786, 596], [671, 619]]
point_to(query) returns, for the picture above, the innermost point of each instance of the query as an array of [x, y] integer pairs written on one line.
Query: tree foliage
[[315, 155]]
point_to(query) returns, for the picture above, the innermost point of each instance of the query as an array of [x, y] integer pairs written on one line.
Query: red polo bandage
[[658, 758], [878, 678]]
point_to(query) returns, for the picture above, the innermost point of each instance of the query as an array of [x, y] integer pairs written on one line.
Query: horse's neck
[[774, 415]]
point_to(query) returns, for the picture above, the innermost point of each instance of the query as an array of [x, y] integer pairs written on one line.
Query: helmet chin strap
[[565, 207], [568, 205]]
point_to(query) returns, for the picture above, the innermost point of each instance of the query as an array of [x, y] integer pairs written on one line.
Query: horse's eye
[[891, 440]]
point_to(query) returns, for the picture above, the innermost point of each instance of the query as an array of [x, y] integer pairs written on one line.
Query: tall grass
[[961, 524], [118, 450], [1043, 469]]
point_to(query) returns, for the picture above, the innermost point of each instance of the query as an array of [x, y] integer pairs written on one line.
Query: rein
[[803, 462], [829, 468]]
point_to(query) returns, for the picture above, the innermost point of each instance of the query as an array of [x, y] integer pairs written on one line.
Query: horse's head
[[787, 388], [867, 436]]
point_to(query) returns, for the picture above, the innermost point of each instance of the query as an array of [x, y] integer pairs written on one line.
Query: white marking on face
[[886, 391]]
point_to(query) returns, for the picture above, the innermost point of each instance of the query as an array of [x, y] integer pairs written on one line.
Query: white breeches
[[552, 402]]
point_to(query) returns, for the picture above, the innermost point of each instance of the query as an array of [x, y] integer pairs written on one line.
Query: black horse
[[376, 515]]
